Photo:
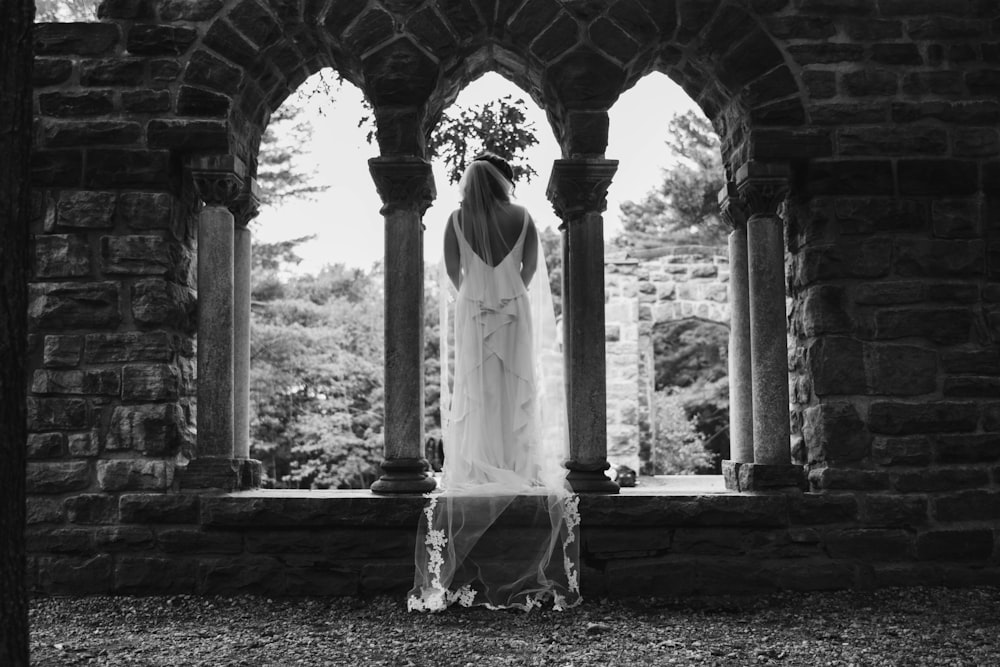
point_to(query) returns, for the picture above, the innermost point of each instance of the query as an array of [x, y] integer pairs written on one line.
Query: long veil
[[504, 530]]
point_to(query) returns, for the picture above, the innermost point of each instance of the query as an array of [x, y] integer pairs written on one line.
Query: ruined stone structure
[[670, 285], [861, 137]]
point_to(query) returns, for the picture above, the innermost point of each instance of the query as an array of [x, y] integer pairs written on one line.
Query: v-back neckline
[[520, 237]]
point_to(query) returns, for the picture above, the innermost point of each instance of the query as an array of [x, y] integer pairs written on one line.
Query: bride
[[503, 530]]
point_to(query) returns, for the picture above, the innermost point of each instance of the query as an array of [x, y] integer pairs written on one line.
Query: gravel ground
[[922, 626]]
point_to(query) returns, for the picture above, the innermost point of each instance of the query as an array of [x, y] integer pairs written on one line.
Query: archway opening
[[666, 273], [317, 369]]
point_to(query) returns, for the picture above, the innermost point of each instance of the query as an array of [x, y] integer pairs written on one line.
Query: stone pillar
[[740, 369], [219, 180], [406, 186], [577, 190], [244, 209], [763, 188]]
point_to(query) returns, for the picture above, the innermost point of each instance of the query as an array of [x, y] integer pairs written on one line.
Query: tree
[[499, 126], [280, 171], [66, 10], [684, 208], [16, 34]]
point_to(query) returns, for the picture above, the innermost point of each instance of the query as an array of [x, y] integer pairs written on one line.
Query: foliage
[[47, 11], [499, 126], [552, 249], [285, 145], [684, 208], [692, 364], [678, 445], [316, 373]]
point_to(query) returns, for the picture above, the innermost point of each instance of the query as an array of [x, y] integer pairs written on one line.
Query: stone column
[[406, 186], [244, 209], [577, 190], [219, 179], [740, 369], [763, 188]]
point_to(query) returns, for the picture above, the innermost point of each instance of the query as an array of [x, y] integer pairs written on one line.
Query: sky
[[345, 218]]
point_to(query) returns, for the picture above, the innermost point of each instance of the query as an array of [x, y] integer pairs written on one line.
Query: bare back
[[510, 220]]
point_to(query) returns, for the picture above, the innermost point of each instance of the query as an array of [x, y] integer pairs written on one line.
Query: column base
[[590, 478], [740, 476], [216, 472], [404, 476]]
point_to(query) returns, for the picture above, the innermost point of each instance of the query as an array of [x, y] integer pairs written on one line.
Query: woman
[[504, 418]]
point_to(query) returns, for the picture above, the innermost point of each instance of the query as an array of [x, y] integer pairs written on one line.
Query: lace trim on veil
[[438, 597]]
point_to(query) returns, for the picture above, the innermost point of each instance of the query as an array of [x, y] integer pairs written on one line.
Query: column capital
[[246, 205], [579, 186], [218, 179], [763, 187], [403, 183], [731, 206]]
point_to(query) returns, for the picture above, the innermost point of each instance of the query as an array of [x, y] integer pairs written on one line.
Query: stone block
[[868, 215], [86, 209], [376, 578], [971, 386], [145, 101], [967, 448], [894, 511], [156, 301], [94, 508], [761, 477], [151, 575], [975, 142], [896, 418], [123, 168], [57, 477], [61, 256], [848, 479], [195, 540], [154, 508], [837, 365], [123, 538], [833, 431], [941, 177], [59, 540], [56, 168], [825, 310], [968, 506], [45, 509], [72, 575], [905, 451], [955, 545], [900, 370], [823, 508], [135, 474], [83, 39], [150, 382], [128, 346], [61, 351], [220, 473], [50, 71], [885, 575], [46, 445], [957, 218], [877, 544], [154, 429], [945, 326], [101, 381], [189, 10], [56, 414], [939, 479], [893, 140], [111, 72], [73, 306], [242, 574], [847, 260], [189, 135], [160, 40], [136, 255], [77, 104], [82, 445], [938, 258], [146, 210], [197, 102]]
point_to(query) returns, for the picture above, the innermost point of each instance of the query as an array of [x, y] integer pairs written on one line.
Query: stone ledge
[[291, 509]]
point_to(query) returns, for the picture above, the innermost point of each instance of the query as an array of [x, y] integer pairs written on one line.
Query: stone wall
[[664, 285], [883, 114]]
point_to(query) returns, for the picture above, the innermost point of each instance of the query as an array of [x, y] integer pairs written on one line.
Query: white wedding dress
[[504, 530]]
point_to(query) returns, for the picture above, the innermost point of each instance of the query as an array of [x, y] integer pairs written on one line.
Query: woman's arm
[[529, 259], [452, 260]]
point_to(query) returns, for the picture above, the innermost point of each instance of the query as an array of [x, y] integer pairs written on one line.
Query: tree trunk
[[16, 29]]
